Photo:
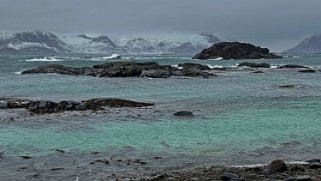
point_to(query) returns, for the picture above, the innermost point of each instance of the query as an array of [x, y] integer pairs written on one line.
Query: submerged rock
[[291, 66], [235, 50], [307, 71], [184, 114], [126, 69]]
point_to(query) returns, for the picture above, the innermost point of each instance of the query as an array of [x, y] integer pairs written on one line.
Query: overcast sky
[[277, 24]]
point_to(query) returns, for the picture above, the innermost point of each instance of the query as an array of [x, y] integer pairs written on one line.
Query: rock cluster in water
[[47, 107], [127, 69], [235, 50]]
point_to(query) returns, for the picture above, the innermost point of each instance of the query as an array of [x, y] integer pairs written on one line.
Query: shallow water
[[239, 116]]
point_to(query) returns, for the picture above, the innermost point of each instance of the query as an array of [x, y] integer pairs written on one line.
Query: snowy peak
[[36, 42], [88, 44], [311, 44], [210, 38]]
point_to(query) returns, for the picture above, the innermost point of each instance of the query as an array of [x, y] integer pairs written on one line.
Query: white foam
[[176, 66], [262, 165], [44, 59], [112, 57], [18, 73], [214, 66]]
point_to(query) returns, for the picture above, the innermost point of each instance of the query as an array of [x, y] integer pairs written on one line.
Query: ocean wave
[[214, 66], [114, 56], [44, 59]]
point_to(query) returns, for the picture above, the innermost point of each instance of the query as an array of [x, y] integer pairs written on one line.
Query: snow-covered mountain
[[36, 42], [310, 45], [87, 44]]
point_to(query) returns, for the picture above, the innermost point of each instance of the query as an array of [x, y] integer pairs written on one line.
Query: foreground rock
[[47, 107], [126, 69], [235, 50], [277, 166]]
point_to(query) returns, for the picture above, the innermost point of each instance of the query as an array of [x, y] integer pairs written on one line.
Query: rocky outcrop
[[126, 69], [47, 107], [235, 50]]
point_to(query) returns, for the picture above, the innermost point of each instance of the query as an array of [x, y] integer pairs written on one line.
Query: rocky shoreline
[[276, 170]]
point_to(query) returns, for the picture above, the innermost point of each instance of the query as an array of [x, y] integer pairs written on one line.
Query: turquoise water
[[236, 112]]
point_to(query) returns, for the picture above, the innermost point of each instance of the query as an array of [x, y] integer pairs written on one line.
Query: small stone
[[56, 169], [277, 166], [229, 176]]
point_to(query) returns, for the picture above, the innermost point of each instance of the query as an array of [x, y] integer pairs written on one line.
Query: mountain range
[[311, 44], [44, 43]]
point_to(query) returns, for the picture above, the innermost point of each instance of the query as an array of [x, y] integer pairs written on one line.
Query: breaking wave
[[44, 59]]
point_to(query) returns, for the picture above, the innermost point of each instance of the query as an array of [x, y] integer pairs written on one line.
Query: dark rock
[[26, 157], [43, 107], [104, 161], [3, 105], [235, 50], [254, 65], [113, 102], [258, 72], [314, 165], [307, 71], [287, 86], [277, 166], [313, 160], [184, 114], [291, 66], [60, 151], [126, 69], [229, 176], [56, 169]]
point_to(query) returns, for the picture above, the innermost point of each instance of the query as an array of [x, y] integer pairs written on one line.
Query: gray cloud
[[277, 24]]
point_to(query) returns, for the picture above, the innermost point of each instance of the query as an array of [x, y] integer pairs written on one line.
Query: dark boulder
[[184, 114], [291, 66], [277, 166], [254, 65], [314, 165], [307, 71], [235, 50]]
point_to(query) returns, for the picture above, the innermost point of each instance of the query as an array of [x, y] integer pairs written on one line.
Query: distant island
[[235, 50]]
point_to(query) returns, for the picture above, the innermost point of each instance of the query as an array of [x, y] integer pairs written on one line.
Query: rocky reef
[[47, 107], [127, 69], [235, 50]]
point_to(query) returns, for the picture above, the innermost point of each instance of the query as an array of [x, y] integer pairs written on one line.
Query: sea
[[240, 118]]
